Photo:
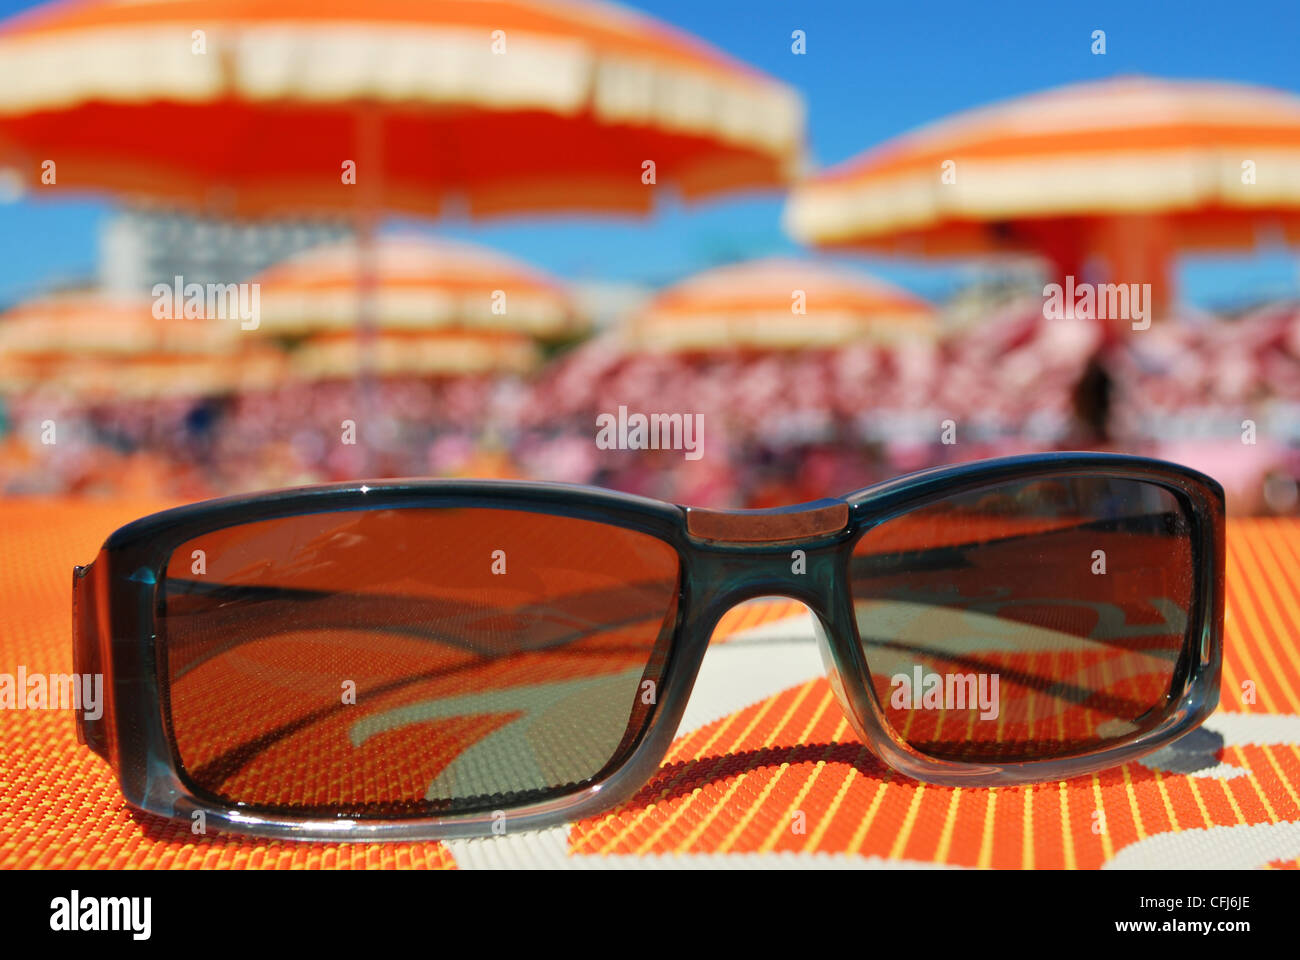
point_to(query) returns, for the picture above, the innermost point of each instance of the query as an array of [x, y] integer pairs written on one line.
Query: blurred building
[[139, 248]]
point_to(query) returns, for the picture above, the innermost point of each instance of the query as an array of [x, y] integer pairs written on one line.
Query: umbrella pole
[[370, 186], [367, 401], [1065, 245], [1139, 250]]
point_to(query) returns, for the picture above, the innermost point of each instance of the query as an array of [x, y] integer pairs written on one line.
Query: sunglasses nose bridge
[[816, 580], [809, 572], [813, 573], [790, 551], [802, 521]]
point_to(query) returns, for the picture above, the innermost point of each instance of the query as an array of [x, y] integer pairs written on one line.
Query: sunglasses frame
[[726, 558]]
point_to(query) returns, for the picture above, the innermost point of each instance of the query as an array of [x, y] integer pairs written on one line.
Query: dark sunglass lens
[[413, 662], [1027, 621]]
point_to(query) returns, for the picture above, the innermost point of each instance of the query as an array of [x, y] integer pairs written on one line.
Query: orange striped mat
[[764, 771]]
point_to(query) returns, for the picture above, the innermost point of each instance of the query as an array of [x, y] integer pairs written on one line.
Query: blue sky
[[872, 70]]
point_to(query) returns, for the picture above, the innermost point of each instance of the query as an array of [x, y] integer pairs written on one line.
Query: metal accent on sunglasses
[[726, 557], [768, 526]]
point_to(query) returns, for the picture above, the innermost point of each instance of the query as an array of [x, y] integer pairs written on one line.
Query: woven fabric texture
[[765, 770]]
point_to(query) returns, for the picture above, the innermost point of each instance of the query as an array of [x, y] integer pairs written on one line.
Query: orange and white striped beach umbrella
[[777, 304], [97, 345], [494, 106], [407, 353], [420, 284], [1132, 168], [90, 322]]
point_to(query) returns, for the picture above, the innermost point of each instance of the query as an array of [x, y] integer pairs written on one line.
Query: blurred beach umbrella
[[1128, 169], [483, 107], [777, 304], [406, 353], [97, 346], [421, 284], [776, 347], [487, 106], [98, 323]]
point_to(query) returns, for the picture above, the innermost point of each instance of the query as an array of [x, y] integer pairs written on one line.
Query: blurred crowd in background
[[780, 425]]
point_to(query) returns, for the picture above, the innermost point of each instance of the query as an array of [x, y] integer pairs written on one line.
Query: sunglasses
[[417, 659]]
